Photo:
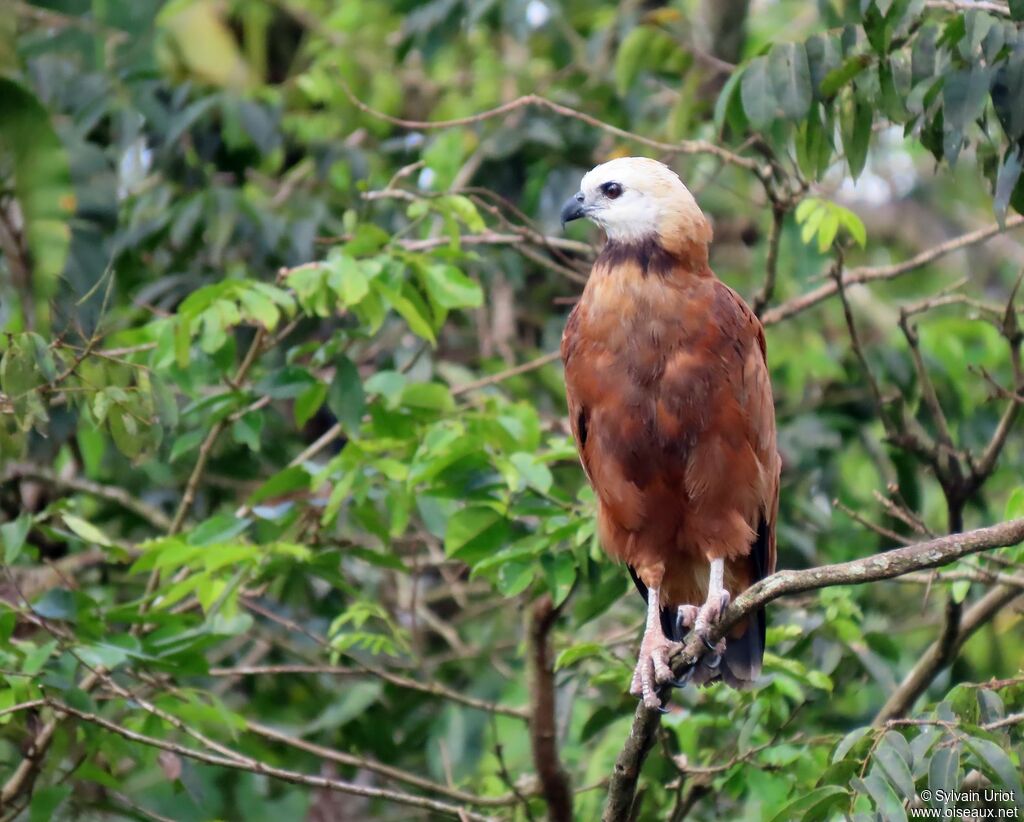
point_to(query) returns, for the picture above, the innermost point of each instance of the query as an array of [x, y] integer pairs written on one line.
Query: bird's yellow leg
[[652, 667]]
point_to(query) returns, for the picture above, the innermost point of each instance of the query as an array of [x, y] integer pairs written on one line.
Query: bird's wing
[[577, 412], [760, 413]]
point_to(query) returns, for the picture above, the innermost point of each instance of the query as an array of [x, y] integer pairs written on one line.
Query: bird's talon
[[682, 681]]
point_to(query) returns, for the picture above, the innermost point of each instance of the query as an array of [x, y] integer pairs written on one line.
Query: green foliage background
[[247, 423]]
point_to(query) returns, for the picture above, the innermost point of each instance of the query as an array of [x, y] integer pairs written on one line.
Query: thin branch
[[258, 767], [771, 265], [941, 652], [206, 447], [501, 376], [866, 274], [111, 493], [529, 100], [387, 771]]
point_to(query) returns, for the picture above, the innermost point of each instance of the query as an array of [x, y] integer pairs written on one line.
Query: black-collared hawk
[[670, 405]]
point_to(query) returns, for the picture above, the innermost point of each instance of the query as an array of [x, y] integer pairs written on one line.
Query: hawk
[[671, 408]]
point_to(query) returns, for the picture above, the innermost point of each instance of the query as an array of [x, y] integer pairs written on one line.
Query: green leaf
[[853, 224], [430, 396], [791, 79], [560, 574], [848, 742], [418, 323], [57, 603], [959, 589], [893, 758], [86, 530], [881, 793], [757, 93], [827, 230], [281, 484], [345, 396], [450, 288], [964, 93], [42, 182], [309, 402], [1007, 91], [575, 653], [46, 801], [346, 277], [474, 532], [536, 474], [260, 308], [857, 135], [38, 656], [839, 77], [465, 210], [922, 56], [645, 47], [13, 535], [1006, 181], [822, 57], [944, 772], [1015, 504], [996, 764], [814, 801]]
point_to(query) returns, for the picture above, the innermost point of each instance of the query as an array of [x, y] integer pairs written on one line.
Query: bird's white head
[[635, 199]]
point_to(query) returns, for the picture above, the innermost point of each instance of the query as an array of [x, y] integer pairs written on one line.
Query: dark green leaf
[[996, 764], [46, 801], [1006, 181], [57, 603], [346, 397], [790, 79], [13, 535], [944, 772], [893, 758], [1007, 93], [810, 803], [839, 77], [757, 93]]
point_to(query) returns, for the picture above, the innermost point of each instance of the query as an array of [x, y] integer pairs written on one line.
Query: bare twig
[[866, 274], [111, 493], [501, 376], [244, 763], [771, 265]]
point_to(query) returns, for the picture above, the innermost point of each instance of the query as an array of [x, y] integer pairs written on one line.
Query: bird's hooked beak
[[573, 208]]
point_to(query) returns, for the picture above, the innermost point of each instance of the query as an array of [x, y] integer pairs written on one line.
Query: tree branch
[[111, 493], [256, 766], [886, 565], [943, 651], [865, 274], [554, 781]]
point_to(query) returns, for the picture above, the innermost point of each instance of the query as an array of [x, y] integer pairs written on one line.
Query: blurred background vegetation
[[284, 464]]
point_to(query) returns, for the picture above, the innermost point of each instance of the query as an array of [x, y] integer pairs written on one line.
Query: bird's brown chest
[[641, 365]]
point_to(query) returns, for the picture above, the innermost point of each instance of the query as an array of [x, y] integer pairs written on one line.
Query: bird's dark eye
[[611, 190]]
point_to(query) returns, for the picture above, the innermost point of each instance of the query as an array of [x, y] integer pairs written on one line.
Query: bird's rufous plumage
[[670, 404]]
